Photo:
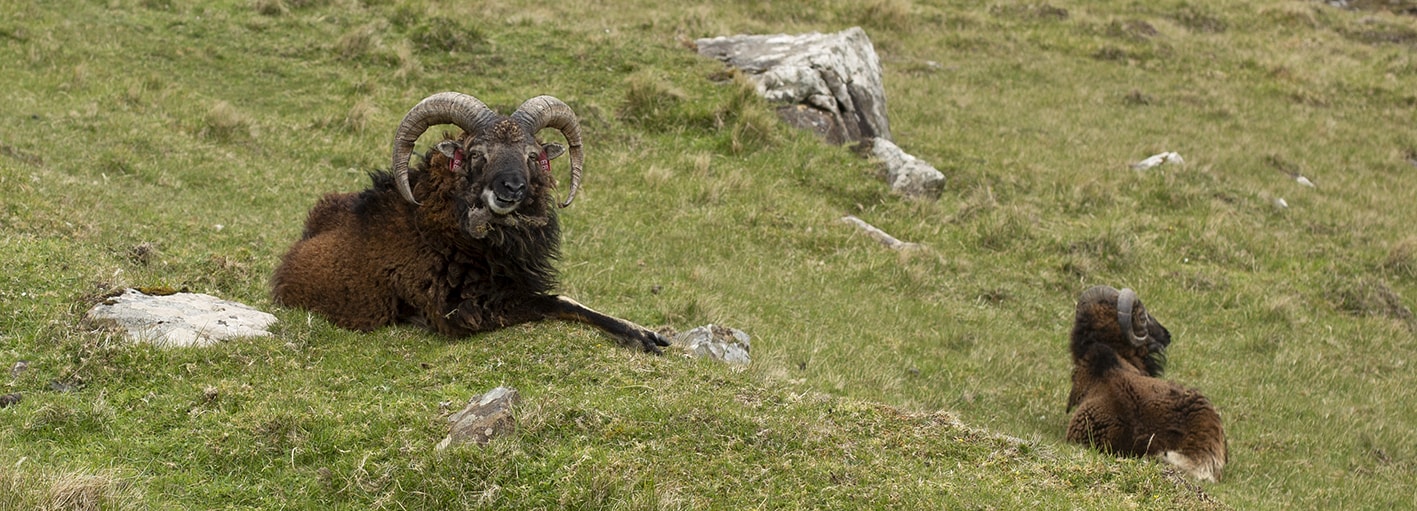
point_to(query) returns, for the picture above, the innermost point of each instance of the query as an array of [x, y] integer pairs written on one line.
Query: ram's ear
[[553, 150], [448, 147]]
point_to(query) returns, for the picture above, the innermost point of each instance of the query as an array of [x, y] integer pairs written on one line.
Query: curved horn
[[1127, 303], [457, 108], [1106, 294], [548, 112]]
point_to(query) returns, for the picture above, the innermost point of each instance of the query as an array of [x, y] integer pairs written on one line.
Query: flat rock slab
[[179, 319]]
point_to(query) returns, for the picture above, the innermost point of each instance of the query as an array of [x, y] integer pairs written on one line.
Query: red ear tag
[[545, 162], [456, 164]]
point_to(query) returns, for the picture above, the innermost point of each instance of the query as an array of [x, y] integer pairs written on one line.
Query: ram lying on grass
[[463, 244], [1123, 407]]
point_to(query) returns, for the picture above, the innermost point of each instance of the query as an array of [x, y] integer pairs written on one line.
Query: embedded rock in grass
[[1158, 159], [879, 235], [831, 85], [839, 74], [907, 174], [179, 319], [715, 342], [485, 417]]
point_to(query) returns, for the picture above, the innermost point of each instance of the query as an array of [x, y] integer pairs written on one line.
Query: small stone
[[715, 342], [1158, 159], [907, 175], [10, 399], [485, 417], [143, 253], [18, 368]]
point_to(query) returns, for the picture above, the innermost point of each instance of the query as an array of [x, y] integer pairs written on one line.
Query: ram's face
[[1149, 357], [1119, 320], [500, 169]]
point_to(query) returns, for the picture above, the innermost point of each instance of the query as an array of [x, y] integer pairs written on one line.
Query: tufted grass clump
[[651, 100], [225, 122], [67, 490], [271, 7], [360, 41], [888, 15], [445, 34], [1401, 259], [750, 121], [361, 115], [1369, 297]]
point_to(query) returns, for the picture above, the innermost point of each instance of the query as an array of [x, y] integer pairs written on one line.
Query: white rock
[[180, 319], [1158, 159], [907, 174], [839, 73]]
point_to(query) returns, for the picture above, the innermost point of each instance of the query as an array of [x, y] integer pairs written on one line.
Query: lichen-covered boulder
[[829, 84], [837, 74]]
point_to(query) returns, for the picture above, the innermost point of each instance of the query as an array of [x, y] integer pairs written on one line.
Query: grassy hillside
[[166, 142]]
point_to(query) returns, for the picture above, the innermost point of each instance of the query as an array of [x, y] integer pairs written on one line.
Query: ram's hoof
[[652, 341]]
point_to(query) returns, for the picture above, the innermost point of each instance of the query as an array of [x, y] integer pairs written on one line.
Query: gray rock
[[715, 342], [485, 417], [179, 319], [907, 174], [831, 85], [881, 236], [825, 124], [838, 74]]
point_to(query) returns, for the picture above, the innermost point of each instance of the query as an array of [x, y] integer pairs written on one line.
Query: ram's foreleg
[[476, 318], [626, 333], [629, 334]]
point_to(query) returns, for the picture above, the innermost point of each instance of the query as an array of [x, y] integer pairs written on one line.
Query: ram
[[464, 243], [1122, 404]]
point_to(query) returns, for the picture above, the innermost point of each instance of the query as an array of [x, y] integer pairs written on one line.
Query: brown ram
[[1123, 406], [463, 244]]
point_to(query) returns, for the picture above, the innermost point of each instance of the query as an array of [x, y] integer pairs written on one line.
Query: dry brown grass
[[223, 121], [65, 491]]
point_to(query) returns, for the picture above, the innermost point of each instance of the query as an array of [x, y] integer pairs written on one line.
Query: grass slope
[[164, 142]]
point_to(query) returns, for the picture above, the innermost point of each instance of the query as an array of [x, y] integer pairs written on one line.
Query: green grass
[[166, 142]]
